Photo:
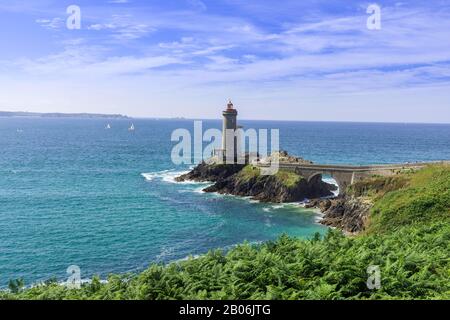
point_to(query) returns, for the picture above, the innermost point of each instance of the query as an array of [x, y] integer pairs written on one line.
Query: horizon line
[[125, 116], [286, 120]]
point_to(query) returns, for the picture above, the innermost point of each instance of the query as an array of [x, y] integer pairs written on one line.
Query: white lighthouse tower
[[229, 123], [229, 132]]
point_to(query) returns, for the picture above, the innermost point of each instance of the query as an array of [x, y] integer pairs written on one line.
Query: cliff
[[350, 212], [379, 204], [247, 181], [284, 186], [205, 172], [347, 213]]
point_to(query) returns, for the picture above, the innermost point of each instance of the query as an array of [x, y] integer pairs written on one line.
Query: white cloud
[[123, 27], [203, 56], [78, 60], [53, 24]]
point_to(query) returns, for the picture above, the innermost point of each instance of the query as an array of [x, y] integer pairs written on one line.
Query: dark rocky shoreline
[[271, 189], [245, 180], [346, 212]]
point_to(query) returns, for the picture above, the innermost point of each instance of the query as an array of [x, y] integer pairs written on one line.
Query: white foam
[[195, 256], [288, 205], [171, 176], [200, 189], [153, 175], [332, 181], [168, 176]]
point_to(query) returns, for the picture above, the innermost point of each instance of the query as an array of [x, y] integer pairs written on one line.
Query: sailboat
[[108, 126], [131, 128]]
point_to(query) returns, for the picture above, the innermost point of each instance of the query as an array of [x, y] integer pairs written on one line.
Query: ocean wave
[[288, 205], [332, 181], [153, 175], [168, 176], [203, 187]]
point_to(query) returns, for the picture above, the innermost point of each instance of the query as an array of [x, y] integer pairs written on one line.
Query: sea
[[75, 193]]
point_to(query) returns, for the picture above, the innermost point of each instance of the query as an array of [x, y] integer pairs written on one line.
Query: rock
[[284, 157], [270, 188], [246, 180], [347, 213], [210, 172]]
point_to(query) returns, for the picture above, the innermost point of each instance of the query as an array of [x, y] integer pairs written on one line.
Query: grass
[[425, 198], [376, 187], [248, 172], [290, 179], [287, 178]]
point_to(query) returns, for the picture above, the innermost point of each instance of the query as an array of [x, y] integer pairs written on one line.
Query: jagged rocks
[[346, 213], [246, 180], [210, 172], [279, 188]]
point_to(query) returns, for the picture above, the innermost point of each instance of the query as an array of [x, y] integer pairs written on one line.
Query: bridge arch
[[315, 175]]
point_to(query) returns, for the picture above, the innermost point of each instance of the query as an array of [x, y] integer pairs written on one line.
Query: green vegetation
[[248, 172], [376, 187], [408, 238], [424, 199], [288, 178]]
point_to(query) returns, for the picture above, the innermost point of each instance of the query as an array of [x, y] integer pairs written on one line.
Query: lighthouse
[[229, 123], [229, 128]]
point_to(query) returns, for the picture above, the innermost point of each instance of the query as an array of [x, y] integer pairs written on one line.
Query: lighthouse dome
[[230, 105]]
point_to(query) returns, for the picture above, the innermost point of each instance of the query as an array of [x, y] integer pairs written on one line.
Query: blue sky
[[280, 60]]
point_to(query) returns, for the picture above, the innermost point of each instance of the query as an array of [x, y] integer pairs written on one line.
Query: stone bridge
[[348, 174]]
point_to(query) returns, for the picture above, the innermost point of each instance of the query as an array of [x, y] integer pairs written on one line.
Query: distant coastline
[[12, 114]]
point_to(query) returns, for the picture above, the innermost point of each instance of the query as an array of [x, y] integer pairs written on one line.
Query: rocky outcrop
[[350, 212], [210, 172], [246, 180], [347, 213], [279, 188]]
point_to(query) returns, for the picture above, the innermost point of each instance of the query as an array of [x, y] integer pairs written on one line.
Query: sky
[[312, 60]]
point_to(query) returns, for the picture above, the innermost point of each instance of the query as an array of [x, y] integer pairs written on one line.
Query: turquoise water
[[72, 192]]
